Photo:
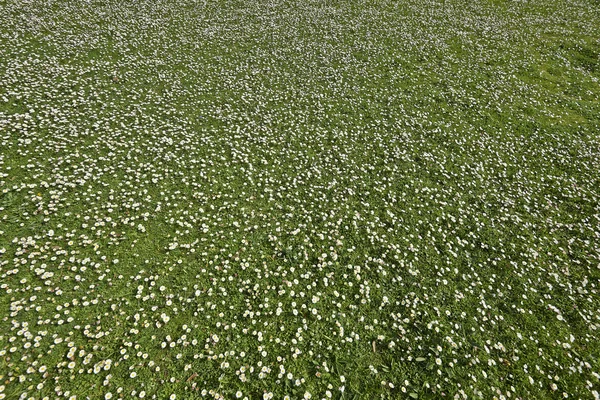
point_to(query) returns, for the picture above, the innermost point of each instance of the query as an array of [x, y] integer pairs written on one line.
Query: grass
[[313, 199]]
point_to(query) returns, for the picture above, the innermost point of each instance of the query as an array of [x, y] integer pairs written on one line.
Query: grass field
[[299, 199]]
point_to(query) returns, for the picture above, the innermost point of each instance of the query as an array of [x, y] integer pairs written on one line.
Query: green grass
[[352, 199]]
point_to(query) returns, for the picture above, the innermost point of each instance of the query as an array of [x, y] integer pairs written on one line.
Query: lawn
[[353, 199]]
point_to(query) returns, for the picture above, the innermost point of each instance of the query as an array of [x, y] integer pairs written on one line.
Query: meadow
[[299, 199]]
